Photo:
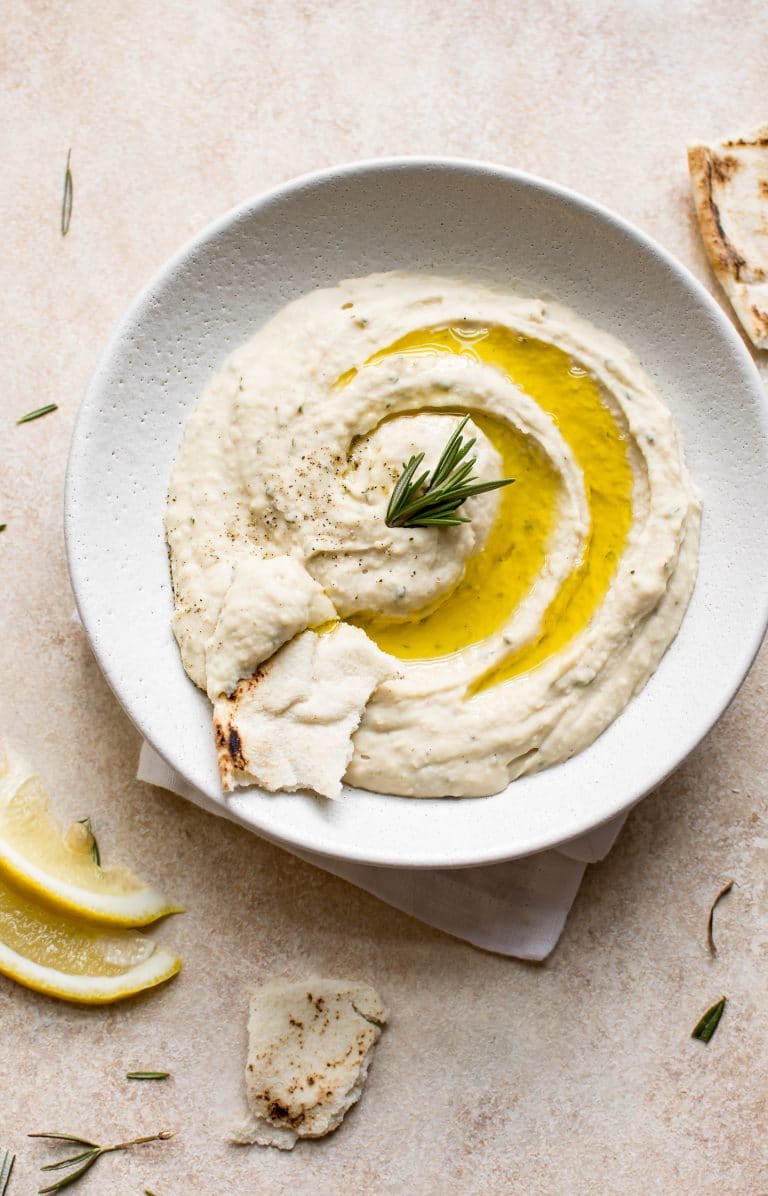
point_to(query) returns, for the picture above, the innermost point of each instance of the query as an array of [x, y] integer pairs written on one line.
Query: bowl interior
[[459, 218]]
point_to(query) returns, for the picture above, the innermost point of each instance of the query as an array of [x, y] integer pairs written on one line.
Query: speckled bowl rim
[[255, 814]]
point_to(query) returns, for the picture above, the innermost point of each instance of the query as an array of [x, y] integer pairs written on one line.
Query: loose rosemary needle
[[7, 1159], [95, 853], [147, 1075], [66, 200], [711, 919], [709, 1021], [46, 410]]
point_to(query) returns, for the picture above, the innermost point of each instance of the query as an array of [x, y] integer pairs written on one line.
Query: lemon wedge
[[64, 957], [59, 868]]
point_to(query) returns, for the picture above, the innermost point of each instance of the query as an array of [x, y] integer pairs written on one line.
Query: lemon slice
[[64, 957], [59, 868]]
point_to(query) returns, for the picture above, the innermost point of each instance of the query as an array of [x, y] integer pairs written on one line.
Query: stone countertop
[[577, 1076]]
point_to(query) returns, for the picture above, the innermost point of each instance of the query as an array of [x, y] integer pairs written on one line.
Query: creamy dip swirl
[[520, 635]]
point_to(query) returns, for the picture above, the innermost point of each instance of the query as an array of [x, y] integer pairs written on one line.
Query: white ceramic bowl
[[461, 218]]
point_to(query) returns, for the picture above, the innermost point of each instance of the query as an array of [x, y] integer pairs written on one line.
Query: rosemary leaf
[[3, 526], [433, 500], [66, 1138], [147, 1075], [7, 1159], [49, 407], [66, 201], [95, 853], [73, 1176], [711, 919], [77, 1158], [709, 1021]]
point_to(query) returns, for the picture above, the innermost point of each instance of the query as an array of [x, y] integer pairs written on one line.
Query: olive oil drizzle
[[499, 577]]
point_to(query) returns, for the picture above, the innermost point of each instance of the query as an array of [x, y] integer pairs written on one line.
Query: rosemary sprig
[[66, 201], [147, 1075], [83, 1161], [7, 1159], [46, 410], [709, 1021], [433, 500], [711, 919], [95, 853]]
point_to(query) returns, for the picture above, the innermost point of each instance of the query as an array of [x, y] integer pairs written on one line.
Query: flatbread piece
[[269, 601], [730, 191], [309, 1050], [290, 726]]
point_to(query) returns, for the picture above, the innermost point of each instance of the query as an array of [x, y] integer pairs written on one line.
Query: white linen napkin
[[517, 908]]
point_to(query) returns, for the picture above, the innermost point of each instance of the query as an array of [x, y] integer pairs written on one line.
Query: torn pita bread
[[310, 1046], [290, 726], [268, 602], [730, 190]]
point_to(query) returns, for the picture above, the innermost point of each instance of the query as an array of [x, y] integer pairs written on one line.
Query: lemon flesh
[[58, 868], [64, 957]]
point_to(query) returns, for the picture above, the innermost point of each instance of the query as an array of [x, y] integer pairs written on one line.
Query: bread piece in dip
[[514, 639], [310, 1046], [290, 725]]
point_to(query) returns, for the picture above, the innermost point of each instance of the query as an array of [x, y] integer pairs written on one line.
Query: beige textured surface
[[494, 1076]]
